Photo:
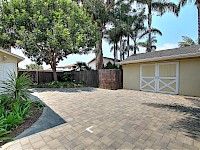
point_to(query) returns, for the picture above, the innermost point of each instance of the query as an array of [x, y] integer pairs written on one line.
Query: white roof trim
[[14, 55], [191, 55]]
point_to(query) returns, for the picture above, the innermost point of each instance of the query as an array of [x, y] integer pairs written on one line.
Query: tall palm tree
[[119, 20], [197, 3], [160, 7], [145, 43], [113, 37], [100, 10], [137, 35], [139, 30], [187, 41]]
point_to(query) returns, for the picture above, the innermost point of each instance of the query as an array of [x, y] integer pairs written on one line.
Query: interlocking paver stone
[[121, 119]]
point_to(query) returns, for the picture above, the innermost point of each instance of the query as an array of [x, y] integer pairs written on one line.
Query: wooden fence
[[104, 78], [89, 77], [41, 77]]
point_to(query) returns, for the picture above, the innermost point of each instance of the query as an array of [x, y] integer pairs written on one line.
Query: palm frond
[[162, 7], [187, 41]]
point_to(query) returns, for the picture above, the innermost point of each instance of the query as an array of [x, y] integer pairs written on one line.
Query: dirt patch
[[35, 114]]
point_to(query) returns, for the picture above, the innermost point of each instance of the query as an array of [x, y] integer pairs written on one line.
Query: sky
[[172, 28]]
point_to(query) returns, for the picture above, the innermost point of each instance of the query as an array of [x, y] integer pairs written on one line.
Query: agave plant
[[16, 86]]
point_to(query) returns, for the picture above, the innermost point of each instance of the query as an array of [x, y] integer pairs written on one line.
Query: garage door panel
[[167, 70], [165, 79], [148, 71], [148, 84]]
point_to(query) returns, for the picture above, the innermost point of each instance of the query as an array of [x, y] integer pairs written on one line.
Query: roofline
[[72, 65], [14, 55], [103, 57], [191, 55]]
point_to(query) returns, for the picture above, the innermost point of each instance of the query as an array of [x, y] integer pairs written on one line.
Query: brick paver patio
[[122, 119]]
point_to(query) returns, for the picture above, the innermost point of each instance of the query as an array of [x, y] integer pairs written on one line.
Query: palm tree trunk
[[99, 55], [114, 54], [128, 44], [116, 49], [149, 26], [135, 46], [120, 48], [198, 8]]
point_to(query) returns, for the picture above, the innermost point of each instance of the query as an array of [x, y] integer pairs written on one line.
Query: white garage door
[[159, 77], [5, 69]]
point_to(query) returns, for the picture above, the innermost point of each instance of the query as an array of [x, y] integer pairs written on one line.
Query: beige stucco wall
[[189, 80], [9, 59], [189, 76], [131, 76]]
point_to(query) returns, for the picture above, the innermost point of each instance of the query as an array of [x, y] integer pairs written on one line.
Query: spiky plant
[[16, 86]]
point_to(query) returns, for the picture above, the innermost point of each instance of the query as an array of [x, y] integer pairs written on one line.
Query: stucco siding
[[8, 59], [131, 76], [189, 77]]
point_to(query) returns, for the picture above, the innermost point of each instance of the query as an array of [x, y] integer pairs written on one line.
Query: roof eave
[[19, 58], [192, 55]]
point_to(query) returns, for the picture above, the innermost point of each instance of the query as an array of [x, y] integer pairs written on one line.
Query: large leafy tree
[[49, 30], [197, 3], [187, 41], [159, 6]]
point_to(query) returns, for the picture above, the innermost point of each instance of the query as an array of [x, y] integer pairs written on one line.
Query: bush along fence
[[104, 78]]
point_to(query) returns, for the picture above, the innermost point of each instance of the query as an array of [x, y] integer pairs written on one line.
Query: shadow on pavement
[[190, 124], [47, 120]]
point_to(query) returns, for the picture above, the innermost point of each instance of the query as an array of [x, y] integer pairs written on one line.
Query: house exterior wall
[[189, 76], [9, 59], [92, 65], [131, 76], [105, 61]]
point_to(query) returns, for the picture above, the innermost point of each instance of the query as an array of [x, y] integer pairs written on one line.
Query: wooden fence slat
[[104, 78]]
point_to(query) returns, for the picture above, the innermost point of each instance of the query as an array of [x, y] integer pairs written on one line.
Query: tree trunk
[[53, 67], [128, 44], [121, 48], [135, 47], [198, 8], [99, 56], [149, 26], [115, 54]]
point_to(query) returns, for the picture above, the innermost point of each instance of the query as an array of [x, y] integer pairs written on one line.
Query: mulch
[[35, 114]]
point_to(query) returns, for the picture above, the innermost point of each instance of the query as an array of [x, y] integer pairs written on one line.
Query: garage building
[[173, 71]]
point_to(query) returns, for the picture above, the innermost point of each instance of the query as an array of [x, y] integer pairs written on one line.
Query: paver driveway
[[122, 119]]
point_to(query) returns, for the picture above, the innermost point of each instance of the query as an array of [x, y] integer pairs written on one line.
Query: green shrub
[[57, 84], [16, 86], [13, 113], [109, 65], [67, 77]]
